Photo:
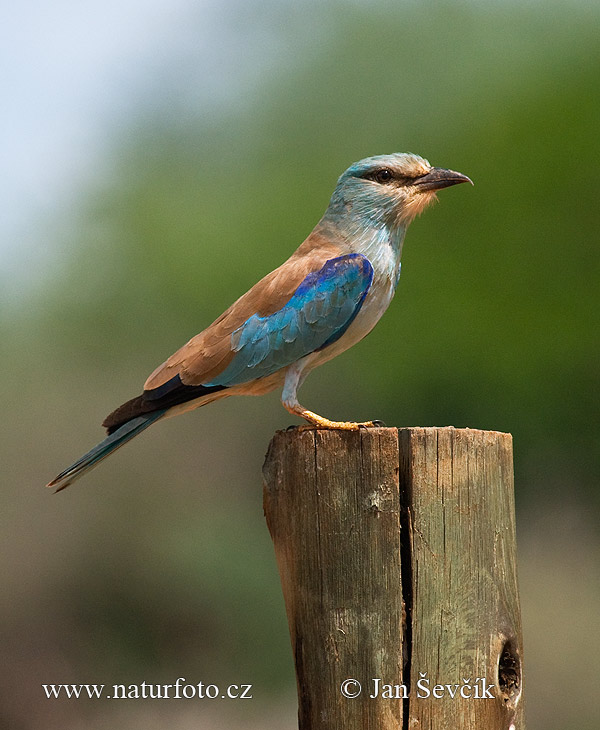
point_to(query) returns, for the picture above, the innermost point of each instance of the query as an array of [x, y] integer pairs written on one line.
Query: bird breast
[[386, 269]]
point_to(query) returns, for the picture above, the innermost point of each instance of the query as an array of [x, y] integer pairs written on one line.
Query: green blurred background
[[159, 564]]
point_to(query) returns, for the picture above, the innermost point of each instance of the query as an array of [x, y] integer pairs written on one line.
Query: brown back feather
[[208, 353]]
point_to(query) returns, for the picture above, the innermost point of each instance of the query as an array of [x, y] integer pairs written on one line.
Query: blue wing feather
[[318, 313]]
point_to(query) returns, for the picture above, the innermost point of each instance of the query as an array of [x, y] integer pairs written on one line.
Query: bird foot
[[336, 426], [325, 423], [315, 422]]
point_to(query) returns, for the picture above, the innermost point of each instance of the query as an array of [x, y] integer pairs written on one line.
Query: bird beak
[[438, 178]]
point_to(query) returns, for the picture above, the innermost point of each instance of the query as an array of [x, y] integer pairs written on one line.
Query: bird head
[[390, 189]]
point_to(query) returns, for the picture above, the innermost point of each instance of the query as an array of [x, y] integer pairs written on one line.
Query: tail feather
[[111, 443]]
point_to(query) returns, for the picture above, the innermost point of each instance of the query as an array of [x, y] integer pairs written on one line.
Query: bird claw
[[371, 424], [300, 428]]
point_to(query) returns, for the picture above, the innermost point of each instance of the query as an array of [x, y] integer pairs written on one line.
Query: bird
[[325, 298]]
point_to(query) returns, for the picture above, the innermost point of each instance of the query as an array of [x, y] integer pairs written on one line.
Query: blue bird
[[325, 298]]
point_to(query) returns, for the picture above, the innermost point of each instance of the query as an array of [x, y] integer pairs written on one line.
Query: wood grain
[[396, 551]]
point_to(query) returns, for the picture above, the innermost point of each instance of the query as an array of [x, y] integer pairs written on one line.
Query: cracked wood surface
[[397, 556]]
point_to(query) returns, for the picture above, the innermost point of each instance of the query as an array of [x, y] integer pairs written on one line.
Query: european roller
[[325, 298]]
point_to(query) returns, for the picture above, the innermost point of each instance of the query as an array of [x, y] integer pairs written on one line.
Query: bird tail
[[111, 443]]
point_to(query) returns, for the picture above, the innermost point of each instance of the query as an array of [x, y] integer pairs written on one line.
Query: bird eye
[[383, 176]]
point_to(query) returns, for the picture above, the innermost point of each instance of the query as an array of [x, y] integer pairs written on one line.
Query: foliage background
[[159, 564]]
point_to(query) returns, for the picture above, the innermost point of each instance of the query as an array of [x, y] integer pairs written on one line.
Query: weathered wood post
[[397, 556]]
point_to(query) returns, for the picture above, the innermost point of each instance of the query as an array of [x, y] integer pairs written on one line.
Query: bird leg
[[289, 401]]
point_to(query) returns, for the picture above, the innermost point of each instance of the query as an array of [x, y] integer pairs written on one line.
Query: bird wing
[[303, 306], [316, 315], [294, 310], [209, 352]]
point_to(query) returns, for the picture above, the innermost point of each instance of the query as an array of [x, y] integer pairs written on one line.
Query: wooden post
[[397, 556]]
